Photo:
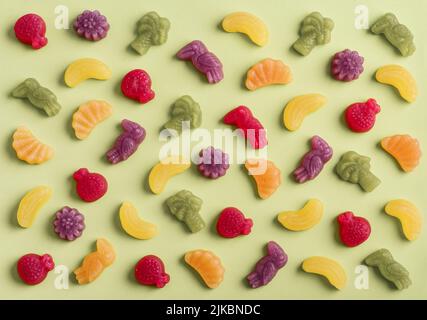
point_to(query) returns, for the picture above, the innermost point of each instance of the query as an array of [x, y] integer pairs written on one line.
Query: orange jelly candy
[[208, 265], [405, 149], [266, 175]]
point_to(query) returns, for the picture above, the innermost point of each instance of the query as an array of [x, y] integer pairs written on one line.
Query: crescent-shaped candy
[[83, 69], [248, 24]]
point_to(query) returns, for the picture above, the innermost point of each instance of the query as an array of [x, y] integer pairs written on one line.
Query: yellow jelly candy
[[409, 216], [83, 69], [328, 268], [303, 219], [299, 107], [88, 115], [208, 265], [248, 24], [29, 149], [133, 225], [31, 204], [165, 170], [400, 78]]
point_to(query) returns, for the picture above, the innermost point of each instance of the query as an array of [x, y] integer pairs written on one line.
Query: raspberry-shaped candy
[[33, 269], [136, 85], [90, 186], [213, 163], [91, 25], [150, 271], [361, 116], [31, 29], [353, 230], [232, 223], [347, 65], [69, 223]]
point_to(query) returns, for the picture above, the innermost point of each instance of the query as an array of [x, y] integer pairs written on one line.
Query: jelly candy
[[409, 216], [184, 112], [347, 65], [299, 107], [152, 30], [313, 161], [84, 69], [389, 268], [397, 34], [213, 163], [29, 149], [136, 85], [315, 30], [31, 29], [91, 25], [302, 219], [30, 205], [266, 175], [268, 72], [185, 206], [328, 268], [360, 116], [40, 97], [207, 265], [90, 186], [69, 223], [266, 268], [400, 78], [133, 225], [354, 168], [353, 230], [33, 268], [203, 60], [95, 262], [127, 143], [252, 129], [150, 271], [165, 170], [248, 24], [405, 149], [232, 223], [88, 115]]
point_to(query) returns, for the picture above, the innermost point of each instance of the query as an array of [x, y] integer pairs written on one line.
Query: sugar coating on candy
[[213, 163], [69, 223], [90, 186], [347, 65], [31, 29], [203, 60], [361, 116], [91, 25], [185, 114], [353, 230], [33, 268], [150, 271], [232, 223], [136, 85], [152, 30]]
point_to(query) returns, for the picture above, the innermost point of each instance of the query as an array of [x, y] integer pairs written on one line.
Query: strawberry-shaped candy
[[33, 269], [31, 29], [353, 230], [232, 223], [360, 117], [136, 85], [90, 186], [150, 271]]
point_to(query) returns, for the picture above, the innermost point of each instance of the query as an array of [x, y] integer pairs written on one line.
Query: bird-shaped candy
[[40, 97], [314, 160], [267, 267], [203, 60], [127, 143]]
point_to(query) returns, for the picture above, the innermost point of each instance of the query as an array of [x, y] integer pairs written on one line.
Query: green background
[[172, 78]]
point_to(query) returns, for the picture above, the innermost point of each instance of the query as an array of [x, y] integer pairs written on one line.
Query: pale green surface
[[172, 78]]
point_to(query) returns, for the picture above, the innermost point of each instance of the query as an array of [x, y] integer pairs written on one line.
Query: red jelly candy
[[31, 29], [90, 186], [232, 223], [136, 85], [353, 230], [33, 269], [150, 271], [360, 117]]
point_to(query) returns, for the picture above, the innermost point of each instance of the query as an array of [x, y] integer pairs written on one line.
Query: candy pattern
[[33, 268], [150, 271], [409, 216], [268, 72], [328, 268], [88, 115], [361, 116], [248, 24], [405, 149], [299, 107], [162, 172], [136, 85], [84, 69], [185, 114], [30, 29], [400, 78], [69, 223], [31, 204], [213, 163], [29, 149], [90, 186], [232, 223], [347, 65], [302, 219], [208, 265], [353, 230], [135, 226], [266, 175], [91, 25]]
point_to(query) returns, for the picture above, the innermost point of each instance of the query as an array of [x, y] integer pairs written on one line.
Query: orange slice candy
[[405, 149], [268, 72], [266, 175]]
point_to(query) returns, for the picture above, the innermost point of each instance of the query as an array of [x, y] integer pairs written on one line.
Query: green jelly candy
[[354, 168], [397, 34], [185, 112], [185, 206], [315, 30], [152, 30], [40, 97], [389, 268]]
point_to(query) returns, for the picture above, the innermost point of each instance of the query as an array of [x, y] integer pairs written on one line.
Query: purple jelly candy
[[314, 160], [267, 267], [127, 143], [347, 65], [91, 25], [213, 163], [69, 223], [203, 60]]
